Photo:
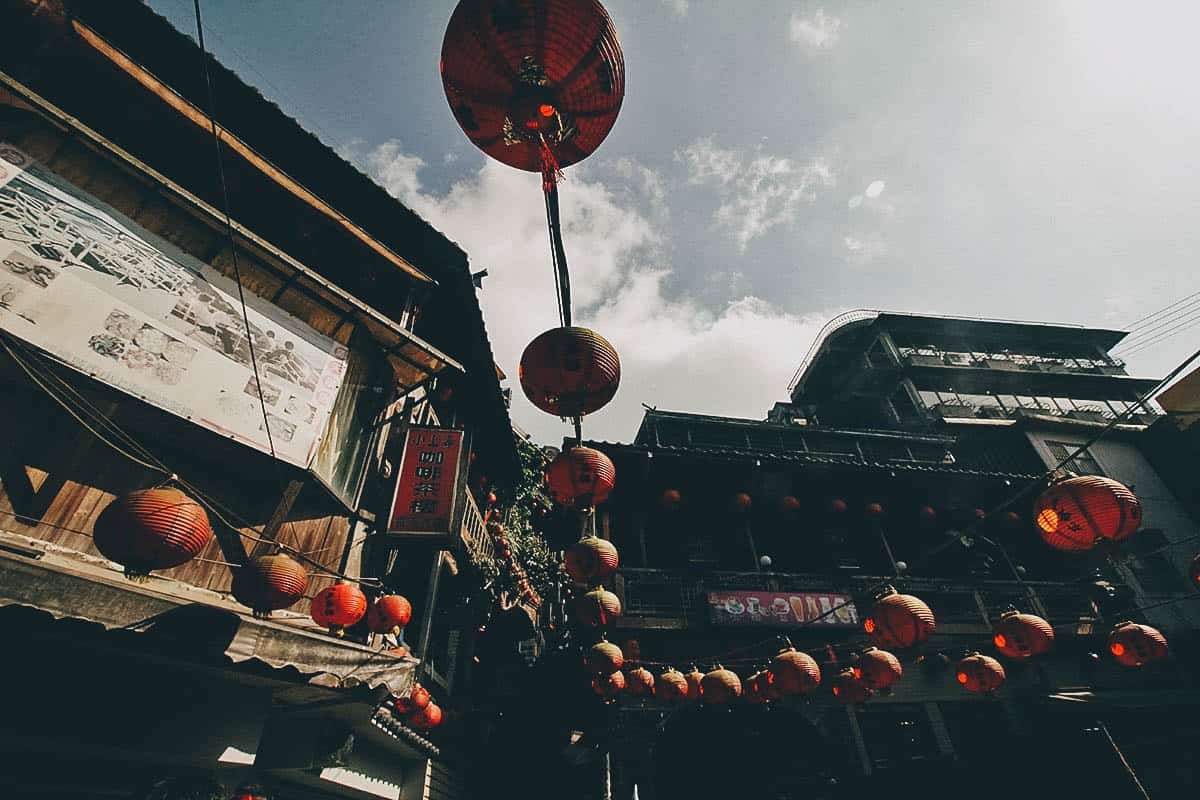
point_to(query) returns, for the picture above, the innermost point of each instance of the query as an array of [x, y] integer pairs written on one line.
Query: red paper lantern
[[417, 699], [794, 672], [695, 684], [491, 498], [269, 583], [389, 614], [1020, 635], [339, 606], [590, 559], [609, 686], [1135, 645], [527, 77], [899, 621], [1072, 514], [980, 674], [570, 372], [849, 689], [580, 477], [671, 686], [597, 608], [671, 498], [151, 529], [837, 506], [605, 658], [878, 669], [720, 687], [427, 718], [640, 682], [874, 510], [742, 502], [789, 504]]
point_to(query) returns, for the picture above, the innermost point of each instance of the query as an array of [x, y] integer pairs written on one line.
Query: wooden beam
[[270, 531]]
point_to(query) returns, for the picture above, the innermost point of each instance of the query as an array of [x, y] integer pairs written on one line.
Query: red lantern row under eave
[[581, 477], [151, 529], [526, 77], [1073, 514]]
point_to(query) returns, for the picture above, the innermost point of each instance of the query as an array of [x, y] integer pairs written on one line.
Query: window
[[1083, 464]]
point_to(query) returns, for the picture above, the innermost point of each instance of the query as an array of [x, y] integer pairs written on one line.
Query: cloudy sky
[[776, 163]]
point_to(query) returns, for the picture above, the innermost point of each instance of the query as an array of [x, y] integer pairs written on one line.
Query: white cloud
[[860, 250], [874, 189], [756, 191], [680, 7], [854, 202], [674, 352], [819, 31]]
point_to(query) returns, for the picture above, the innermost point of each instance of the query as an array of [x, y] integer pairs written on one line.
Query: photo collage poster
[[92, 288]]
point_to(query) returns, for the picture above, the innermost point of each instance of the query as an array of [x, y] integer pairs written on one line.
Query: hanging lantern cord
[[562, 278]]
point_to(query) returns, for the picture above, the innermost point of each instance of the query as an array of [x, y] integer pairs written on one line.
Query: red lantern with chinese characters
[[794, 672], [878, 669], [570, 372], [899, 621], [580, 477], [849, 689], [417, 699], [597, 608], [609, 686], [742, 502], [980, 673], [640, 682], [1020, 635], [535, 85], [720, 687], [670, 499], [671, 686], [590, 559], [339, 606], [695, 684], [269, 583], [1135, 645], [389, 614], [427, 718], [605, 658], [1072, 514], [151, 529]]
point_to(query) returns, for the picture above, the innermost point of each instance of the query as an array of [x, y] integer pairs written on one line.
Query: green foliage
[[519, 507]]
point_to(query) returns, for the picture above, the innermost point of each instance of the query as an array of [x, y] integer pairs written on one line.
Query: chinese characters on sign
[[780, 609], [426, 487]]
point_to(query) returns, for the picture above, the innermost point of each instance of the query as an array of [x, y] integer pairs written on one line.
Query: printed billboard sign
[[427, 486], [95, 290], [781, 609]]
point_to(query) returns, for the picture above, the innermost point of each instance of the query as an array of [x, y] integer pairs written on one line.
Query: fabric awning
[[189, 620]]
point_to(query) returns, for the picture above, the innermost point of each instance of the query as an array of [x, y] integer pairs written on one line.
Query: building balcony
[[475, 540]]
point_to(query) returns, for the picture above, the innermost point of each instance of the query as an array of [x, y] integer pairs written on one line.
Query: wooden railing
[[475, 538]]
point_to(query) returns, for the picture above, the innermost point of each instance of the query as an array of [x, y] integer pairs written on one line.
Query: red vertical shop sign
[[426, 489]]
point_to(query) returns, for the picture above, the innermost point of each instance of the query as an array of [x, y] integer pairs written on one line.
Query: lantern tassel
[[551, 172]]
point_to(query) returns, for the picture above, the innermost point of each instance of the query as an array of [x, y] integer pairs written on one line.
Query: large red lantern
[[794, 672], [1020, 635], [609, 686], [532, 81], [878, 669], [389, 614], [570, 372], [720, 687], [597, 608], [151, 529], [591, 558], [695, 684], [269, 583], [1135, 645], [671, 686], [427, 718], [1072, 514], [899, 621], [580, 477], [980, 673], [605, 658], [849, 689], [640, 682], [417, 699], [339, 606]]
